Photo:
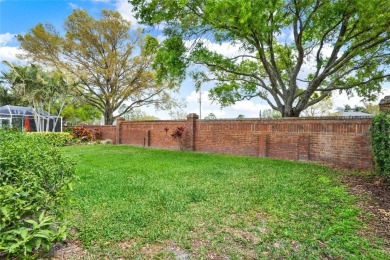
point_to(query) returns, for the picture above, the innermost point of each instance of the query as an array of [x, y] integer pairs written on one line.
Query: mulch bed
[[374, 198]]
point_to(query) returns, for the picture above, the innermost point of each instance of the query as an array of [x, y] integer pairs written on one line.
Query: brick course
[[337, 141]]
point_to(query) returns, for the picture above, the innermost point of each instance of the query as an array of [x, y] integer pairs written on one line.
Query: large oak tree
[[112, 63], [294, 53]]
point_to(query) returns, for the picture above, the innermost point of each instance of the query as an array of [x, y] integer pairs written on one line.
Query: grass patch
[[142, 203]]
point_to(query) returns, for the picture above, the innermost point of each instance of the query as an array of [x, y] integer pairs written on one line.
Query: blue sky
[[18, 16]]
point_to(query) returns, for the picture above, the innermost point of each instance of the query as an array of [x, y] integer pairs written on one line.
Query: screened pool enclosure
[[28, 119]]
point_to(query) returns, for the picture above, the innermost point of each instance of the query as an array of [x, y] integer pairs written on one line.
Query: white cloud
[[194, 97], [248, 106], [9, 53], [74, 6], [125, 9], [6, 38], [339, 100]]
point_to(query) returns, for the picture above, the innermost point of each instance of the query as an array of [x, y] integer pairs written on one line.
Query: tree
[[270, 113], [371, 108], [136, 114], [41, 90], [210, 116], [322, 108], [289, 49], [111, 64], [177, 115], [8, 97], [79, 112]]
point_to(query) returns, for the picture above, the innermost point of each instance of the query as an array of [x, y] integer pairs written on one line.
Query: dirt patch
[[374, 198], [160, 250], [69, 250], [239, 235]]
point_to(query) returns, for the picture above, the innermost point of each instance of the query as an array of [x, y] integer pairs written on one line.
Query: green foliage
[[80, 112], [137, 114], [210, 116], [381, 142], [52, 138], [9, 97], [35, 179], [112, 62], [344, 44], [234, 206]]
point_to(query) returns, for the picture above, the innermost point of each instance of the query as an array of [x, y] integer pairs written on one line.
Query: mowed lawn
[[134, 202]]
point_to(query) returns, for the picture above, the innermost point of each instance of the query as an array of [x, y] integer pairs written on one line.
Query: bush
[[178, 135], [86, 135], [381, 142], [34, 183], [54, 139]]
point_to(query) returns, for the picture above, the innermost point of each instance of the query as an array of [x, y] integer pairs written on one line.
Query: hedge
[[35, 179], [53, 138], [381, 142]]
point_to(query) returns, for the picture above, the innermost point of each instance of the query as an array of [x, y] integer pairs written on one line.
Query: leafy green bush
[[55, 139], [35, 179], [381, 142]]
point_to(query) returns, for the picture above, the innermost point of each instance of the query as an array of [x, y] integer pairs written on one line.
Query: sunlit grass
[[137, 202]]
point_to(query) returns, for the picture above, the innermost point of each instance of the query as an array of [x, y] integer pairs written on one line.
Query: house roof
[[355, 113], [9, 110]]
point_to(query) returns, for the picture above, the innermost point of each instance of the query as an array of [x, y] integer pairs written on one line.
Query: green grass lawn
[[142, 203]]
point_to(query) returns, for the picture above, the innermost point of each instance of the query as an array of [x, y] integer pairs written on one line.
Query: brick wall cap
[[161, 121], [385, 100], [291, 118], [193, 115]]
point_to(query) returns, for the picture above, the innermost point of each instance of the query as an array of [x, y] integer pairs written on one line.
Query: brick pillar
[[119, 122], [263, 148], [191, 132], [384, 104]]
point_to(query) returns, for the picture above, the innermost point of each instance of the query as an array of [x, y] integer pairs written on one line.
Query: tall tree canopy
[[289, 49], [112, 64]]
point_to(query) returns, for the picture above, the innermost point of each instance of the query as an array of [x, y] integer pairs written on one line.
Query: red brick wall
[[342, 142], [134, 132], [335, 141]]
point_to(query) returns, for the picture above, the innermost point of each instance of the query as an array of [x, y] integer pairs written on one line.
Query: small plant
[[81, 133], [178, 136], [98, 134]]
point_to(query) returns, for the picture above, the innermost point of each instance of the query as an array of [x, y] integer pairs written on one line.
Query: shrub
[[178, 135], [86, 135], [34, 183], [98, 134], [82, 133], [381, 142], [55, 139]]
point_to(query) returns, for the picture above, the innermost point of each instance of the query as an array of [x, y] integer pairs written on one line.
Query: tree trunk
[[290, 112], [108, 116]]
